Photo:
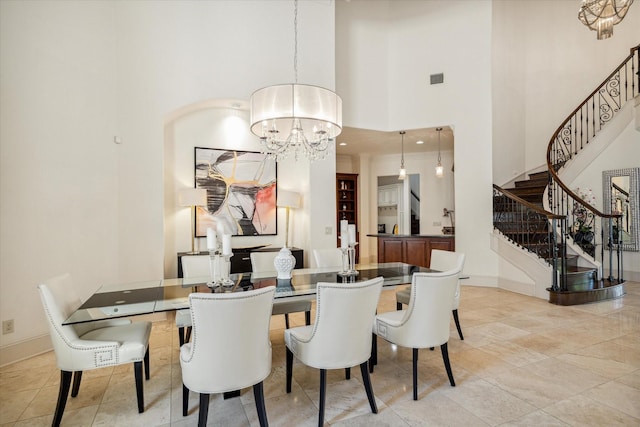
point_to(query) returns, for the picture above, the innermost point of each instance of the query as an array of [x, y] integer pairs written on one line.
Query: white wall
[[387, 88], [564, 63], [623, 153], [74, 75], [59, 167]]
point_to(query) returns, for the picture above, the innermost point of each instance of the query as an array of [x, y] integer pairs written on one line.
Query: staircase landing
[[605, 290]]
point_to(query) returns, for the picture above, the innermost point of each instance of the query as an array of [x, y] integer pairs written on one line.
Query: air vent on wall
[[437, 78]]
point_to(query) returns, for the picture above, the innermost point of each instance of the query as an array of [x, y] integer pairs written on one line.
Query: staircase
[[535, 236], [553, 227]]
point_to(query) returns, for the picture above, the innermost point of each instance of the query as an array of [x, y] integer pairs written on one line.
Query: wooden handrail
[[552, 170]]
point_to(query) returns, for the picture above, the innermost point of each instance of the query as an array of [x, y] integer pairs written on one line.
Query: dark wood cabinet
[[347, 203], [414, 250], [241, 259]]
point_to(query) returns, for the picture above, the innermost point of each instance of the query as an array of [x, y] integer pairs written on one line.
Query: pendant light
[[439, 168], [403, 172]]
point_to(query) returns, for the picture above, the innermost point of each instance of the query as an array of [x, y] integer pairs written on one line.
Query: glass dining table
[[154, 296]]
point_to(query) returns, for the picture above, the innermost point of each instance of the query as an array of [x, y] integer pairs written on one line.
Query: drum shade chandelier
[[602, 15], [296, 118]]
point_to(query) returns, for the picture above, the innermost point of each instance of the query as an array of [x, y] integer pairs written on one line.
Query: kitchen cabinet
[[388, 195], [411, 249]]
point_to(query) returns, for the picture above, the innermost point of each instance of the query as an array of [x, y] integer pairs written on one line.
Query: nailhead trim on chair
[[96, 350], [193, 320], [318, 303]]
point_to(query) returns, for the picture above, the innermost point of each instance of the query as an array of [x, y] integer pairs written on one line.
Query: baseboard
[[517, 287], [25, 349], [482, 281]]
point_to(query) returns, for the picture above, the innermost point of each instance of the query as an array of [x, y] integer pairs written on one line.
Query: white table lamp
[[192, 197]]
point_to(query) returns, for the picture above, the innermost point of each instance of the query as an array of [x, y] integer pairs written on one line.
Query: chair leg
[[347, 373], [367, 386], [323, 392], [181, 336], [415, 374], [65, 384], [455, 318], [374, 352], [77, 377], [185, 400], [307, 318], [137, 370], [447, 365], [289, 369], [146, 364], [286, 320], [258, 393], [187, 338], [204, 410]]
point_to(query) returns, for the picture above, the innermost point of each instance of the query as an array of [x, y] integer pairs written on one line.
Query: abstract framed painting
[[241, 191]]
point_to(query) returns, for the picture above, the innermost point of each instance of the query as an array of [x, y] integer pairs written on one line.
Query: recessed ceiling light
[[419, 141], [343, 144]]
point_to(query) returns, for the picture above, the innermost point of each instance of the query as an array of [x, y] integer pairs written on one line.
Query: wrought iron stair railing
[[588, 227], [533, 229]]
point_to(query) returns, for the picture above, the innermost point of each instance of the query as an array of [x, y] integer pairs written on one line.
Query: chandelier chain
[[439, 158], [295, 40]]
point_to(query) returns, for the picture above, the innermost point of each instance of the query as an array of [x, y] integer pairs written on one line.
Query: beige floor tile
[[513, 353], [582, 411], [572, 378], [537, 418], [607, 359], [435, 409], [480, 363], [535, 389], [488, 402], [632, 380], [523, 362], [618, 396], [12, 405]]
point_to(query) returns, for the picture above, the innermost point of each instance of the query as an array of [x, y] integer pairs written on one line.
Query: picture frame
[[241, 191]]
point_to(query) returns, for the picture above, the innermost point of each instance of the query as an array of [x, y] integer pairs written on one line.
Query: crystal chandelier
[[602, 15], [296, 118]]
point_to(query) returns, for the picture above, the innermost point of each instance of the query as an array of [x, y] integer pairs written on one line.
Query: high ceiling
[[379, 142]]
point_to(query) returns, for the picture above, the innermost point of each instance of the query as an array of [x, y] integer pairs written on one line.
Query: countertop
[[411, 235]]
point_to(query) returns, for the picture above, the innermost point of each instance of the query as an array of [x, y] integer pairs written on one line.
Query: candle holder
[[225, 266], [214, 268], [349, 261]]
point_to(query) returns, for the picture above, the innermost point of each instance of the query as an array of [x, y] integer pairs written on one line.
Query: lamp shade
[[192, 197], [288, 199], [317, 108]]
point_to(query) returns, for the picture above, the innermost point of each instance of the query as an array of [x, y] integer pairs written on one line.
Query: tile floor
[[523, 362]]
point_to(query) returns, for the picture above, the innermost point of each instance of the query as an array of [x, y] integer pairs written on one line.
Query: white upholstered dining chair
[[192, 266], [261, 266], [340, 336], [85, 346], [425, 323], [328, 257], [230, 349], [440, 261]]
